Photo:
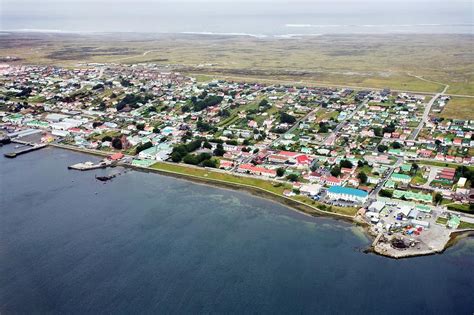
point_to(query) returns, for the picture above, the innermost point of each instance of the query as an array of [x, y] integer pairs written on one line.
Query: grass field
[[273, 187], [207, 174], [376, 61], [459, 108]]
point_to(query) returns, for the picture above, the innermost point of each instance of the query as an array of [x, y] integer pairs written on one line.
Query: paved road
[[426, 113], [295, 125], [349, 117], [379, 187]]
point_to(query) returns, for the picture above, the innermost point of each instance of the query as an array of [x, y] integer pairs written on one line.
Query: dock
[[14, 154], [87, 166]]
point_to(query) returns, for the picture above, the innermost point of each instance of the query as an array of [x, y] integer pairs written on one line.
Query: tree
[[219, 151], [210, 163], [386, 193], [286, 118], [176, 157], [390, 128], [107, 138], [263, 103], [185, 109], [346, 164], [140, 126], [292, 177], [207, 145], [362, 177], [280, 171], [382, 148], [336, 171], [117, 143], [191, 159], [323, 127], [438, 198], [396, 145], [377, 131]]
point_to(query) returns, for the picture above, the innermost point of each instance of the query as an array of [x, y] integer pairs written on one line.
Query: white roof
[[377, 206], [405, 210]]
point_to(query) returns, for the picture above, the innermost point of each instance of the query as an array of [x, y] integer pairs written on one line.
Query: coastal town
[[382, 158]]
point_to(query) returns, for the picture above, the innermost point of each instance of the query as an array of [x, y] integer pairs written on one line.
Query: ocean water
[[145, 243], [259, 18]]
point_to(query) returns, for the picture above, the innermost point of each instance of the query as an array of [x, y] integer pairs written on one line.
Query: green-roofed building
[[397, 152], [397, 177], [423, 208], [389, 184], [453, 222], [405, 167], [410, 195]]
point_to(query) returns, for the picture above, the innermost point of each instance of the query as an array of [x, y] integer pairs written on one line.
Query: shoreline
[[291, 204]]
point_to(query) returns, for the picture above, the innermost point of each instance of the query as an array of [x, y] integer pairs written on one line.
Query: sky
[[239, 16]]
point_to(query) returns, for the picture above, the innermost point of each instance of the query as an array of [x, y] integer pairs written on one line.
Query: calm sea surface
[[255, 17], [145, 243]]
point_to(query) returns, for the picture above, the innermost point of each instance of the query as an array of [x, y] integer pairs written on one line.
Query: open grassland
[[459, 108], [377, 61]]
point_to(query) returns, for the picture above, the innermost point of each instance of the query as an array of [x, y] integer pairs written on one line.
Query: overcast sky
[[254, 16]]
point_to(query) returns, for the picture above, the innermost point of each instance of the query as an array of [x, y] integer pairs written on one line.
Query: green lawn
[[207, 174], [442, 221], [274, 187], [466, 225]]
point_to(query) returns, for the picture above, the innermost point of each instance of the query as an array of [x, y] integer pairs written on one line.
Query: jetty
[[25, 150], [87, 166]]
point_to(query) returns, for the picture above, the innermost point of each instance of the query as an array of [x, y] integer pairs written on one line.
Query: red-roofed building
[[303, 160], [256, 170], [116, 156], [332, 181]]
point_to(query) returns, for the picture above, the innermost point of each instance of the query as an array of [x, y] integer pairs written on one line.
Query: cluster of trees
[[180, 151], [125, 82], [382, 148], [204, 159], [203, 126], [132, 100], [387, 129], [323, 127], [200, 104], [286, 118], [292, 177], [362, 177], [264, 105], [117, 143], [219, 150]]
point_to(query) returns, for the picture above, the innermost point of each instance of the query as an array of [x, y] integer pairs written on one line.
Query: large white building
[[347, 194]]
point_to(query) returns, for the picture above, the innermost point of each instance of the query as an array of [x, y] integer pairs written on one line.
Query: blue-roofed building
[[347, 194]]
